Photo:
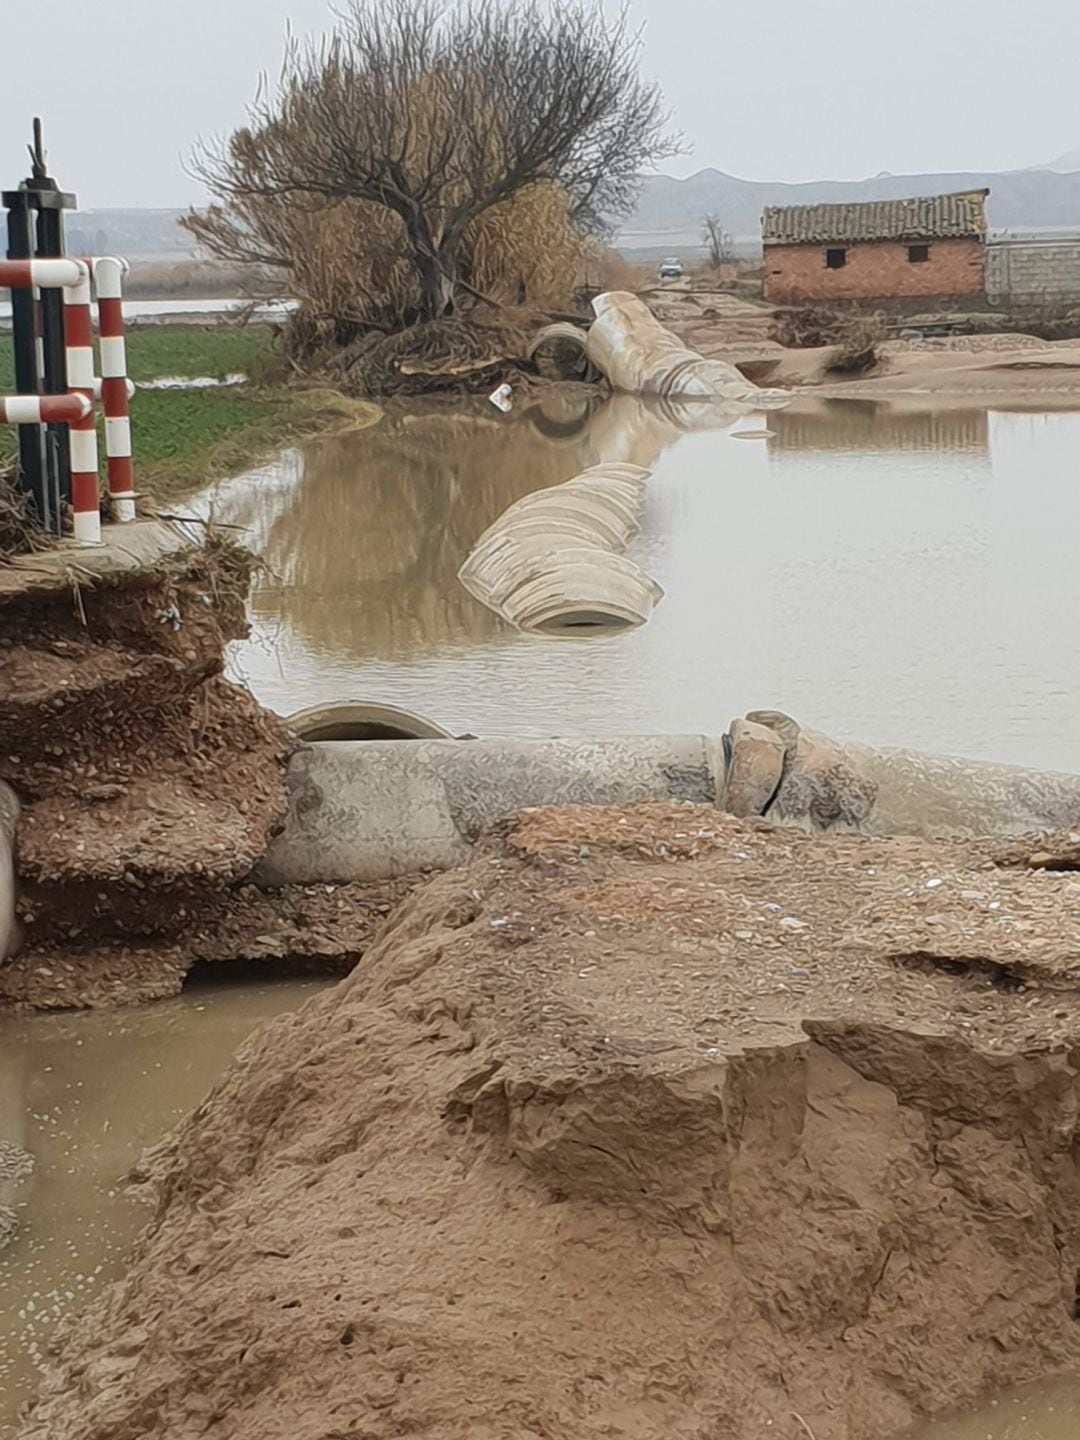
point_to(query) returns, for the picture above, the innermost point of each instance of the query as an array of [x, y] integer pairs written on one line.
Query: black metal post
[[50, 203], [50, 245], [20, 246], [44, 454]]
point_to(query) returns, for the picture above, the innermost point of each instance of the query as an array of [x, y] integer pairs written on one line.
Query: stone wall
[[1034, 270], [873, 270]]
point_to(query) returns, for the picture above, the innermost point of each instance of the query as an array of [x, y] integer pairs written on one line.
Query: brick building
[[883, 249]]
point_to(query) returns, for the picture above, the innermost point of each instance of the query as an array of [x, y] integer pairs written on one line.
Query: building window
[[918, 254], [835, 259]]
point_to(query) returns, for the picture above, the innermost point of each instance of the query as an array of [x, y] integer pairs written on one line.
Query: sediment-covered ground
[[645, 1123]]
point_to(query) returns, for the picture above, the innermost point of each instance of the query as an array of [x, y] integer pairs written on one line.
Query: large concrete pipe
[[362, 720], [801, 777], [551, 563], [369, 811], [9, 818], [633, 350], [584, 589]]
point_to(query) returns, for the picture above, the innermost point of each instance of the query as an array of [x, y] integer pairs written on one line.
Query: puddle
[[264, 311], [896, 575], [85, 1094], [193, 382], [1050, 1411]]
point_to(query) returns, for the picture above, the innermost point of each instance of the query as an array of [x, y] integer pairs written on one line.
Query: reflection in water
[[889, 573], [382, 527], [86, 1094], [872, 427]]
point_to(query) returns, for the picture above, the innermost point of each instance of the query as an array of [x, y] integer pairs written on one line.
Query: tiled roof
[[933, 217]]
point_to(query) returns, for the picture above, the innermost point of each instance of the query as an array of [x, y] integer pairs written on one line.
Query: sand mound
[[646, 1123]]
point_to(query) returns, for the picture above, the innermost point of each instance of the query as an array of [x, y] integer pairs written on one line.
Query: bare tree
[[436, 116], [720, 245]]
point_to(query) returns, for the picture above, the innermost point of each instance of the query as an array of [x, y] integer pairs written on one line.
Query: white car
[[671, 268]]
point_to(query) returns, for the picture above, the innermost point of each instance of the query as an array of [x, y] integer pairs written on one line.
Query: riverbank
[[208, 404], [651, 1119], [1004, 367]]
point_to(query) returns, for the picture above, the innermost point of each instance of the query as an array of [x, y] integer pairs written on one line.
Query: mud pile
[[647, 1122], [148, 782]]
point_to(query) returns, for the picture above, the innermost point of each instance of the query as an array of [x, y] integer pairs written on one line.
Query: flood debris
[[777, 767], [552, 563], [597, 1127], [636, 354]]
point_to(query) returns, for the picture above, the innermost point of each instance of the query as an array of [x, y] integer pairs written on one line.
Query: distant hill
[[669, 211], [134, 234], [1069, 161], [1033, 199]]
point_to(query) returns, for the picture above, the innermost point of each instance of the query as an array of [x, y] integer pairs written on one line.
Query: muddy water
[[897, 575], [85, 1094], [1045, 1412]]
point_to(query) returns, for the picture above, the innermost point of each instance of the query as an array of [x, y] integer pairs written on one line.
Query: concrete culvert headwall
[[363, 720], [553, 564]]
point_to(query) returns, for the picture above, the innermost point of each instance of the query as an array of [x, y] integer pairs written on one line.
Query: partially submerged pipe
[[552, 562], [362, 720], [636, 354], [369, 811]]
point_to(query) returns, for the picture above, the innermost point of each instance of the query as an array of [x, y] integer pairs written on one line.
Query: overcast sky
[[784, 90]]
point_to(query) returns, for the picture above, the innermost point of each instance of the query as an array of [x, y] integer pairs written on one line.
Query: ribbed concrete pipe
[[577, 590], [368, 811], [801, 777], [363, 720], [638, 355], [551, 563], [9, 819]]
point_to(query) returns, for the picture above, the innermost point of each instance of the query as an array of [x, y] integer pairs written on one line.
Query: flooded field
[[900, 576], [85, 1094], [895, 575]]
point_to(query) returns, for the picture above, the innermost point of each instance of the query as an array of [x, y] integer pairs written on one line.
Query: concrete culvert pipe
[[580, 590], [363, 720], [552, 563], [558, 352], [629, 346], [367, 812], [795, 776], [370, 811]]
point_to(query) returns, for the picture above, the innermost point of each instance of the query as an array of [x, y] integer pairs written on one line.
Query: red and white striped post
[[26, 274], [108, 281], [82, 433], [43, 409]]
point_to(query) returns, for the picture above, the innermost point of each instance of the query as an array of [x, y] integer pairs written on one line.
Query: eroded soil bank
[[149, 786], [644, 1123]]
